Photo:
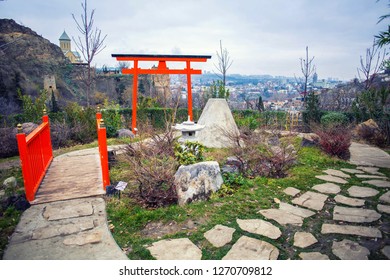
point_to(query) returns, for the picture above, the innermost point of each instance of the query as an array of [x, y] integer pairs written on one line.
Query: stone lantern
[[188, 130]]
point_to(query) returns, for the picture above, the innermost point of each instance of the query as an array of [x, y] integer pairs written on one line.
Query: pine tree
[[260, 104], [54, 105]]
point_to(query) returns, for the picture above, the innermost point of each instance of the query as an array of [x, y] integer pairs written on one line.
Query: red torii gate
[[161, 69]]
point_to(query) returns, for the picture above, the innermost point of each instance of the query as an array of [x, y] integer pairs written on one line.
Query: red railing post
[[103, 153], [24, 162]]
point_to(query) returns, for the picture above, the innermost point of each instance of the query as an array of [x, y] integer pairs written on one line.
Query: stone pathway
[[64, 230], [353, 225]]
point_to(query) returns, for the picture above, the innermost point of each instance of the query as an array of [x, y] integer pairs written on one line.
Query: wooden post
[[134, 100], [24, 162], [102, 140], [189, 91]]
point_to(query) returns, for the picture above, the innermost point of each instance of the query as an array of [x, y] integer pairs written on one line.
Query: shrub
[[152, 168], [189, 152], [334, 118], [335, 140], [260, 159]]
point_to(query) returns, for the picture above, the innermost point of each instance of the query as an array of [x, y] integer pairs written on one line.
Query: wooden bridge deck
[[72, 175]]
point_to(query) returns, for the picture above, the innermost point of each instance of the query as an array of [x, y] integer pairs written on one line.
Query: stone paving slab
[[371, 170], [219, 235], [261, 227], [337, 173], [365, 176], [247, 248], [73, 208], [175, 249], [87, 237], [332, 179], [349, 201], [355, 215], [385, 197], [383, 208], [351, 230], [312, 200], [291, 191], [295, 210], [304, 239], [386, 251], [378, 183], [352, 171], [363, 154], [349, 250], [313, 256], [327, 188], [362, 192], [282, 217]]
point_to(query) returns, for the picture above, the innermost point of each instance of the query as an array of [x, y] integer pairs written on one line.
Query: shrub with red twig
[[335, 140]]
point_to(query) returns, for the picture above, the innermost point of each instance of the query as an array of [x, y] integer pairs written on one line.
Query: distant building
[[66, 47]]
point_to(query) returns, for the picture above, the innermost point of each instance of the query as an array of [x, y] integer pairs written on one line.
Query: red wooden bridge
[[73, 175]]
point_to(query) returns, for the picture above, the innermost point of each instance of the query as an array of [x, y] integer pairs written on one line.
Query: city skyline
[[262, 37]]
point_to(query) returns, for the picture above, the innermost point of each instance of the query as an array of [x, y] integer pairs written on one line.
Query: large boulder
[[124, 133], [369, 130], [197, 181], [309, 139]]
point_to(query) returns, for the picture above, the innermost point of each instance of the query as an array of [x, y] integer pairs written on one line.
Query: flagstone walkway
[[354, 223]]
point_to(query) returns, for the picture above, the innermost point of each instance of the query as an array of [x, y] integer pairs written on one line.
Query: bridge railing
[[103, 153], [36, 154]]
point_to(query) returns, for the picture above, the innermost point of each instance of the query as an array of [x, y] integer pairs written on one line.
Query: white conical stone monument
[[217, 119]]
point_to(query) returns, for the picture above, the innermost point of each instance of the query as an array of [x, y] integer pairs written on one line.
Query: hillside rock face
[[25, 57]]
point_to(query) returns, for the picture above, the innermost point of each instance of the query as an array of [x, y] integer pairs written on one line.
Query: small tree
[[218, 90], [54, 105], [224, 63], [313, 113], [90, 43], [308, 69]]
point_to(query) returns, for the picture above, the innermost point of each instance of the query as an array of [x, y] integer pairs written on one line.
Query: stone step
[[351, 230], [349, 250], [311, 200], [247, 248], [349, 201], [357, 191], [378, 183], [332, 179], [260, 227], [355, 215], [327, 188], [282, 217], [337, 173]]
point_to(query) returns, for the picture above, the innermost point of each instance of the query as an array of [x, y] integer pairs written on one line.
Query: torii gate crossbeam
[[161, 69]]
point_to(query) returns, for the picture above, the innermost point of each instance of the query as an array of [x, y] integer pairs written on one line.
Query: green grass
[[255, 194]]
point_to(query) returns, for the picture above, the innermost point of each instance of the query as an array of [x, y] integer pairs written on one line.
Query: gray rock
[[261, 227], [175, 249], [310, 140], [295, 210], [357, 191], [378, 183], [386, 251], [62, 229], [313, 256], [352, 171], [282, 217], [337, 173], [328, 188], [304, 239], [311, 200], [10, 183], [349, 201], [355, 215], [291, 191], [219, 235], [197, 181], [247, 248], [330, 178], [351, 230], [385, 197], [349, 250], [124, 132], [383, 208]]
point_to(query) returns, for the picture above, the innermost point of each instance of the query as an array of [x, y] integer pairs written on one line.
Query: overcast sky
[[262, 36]]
